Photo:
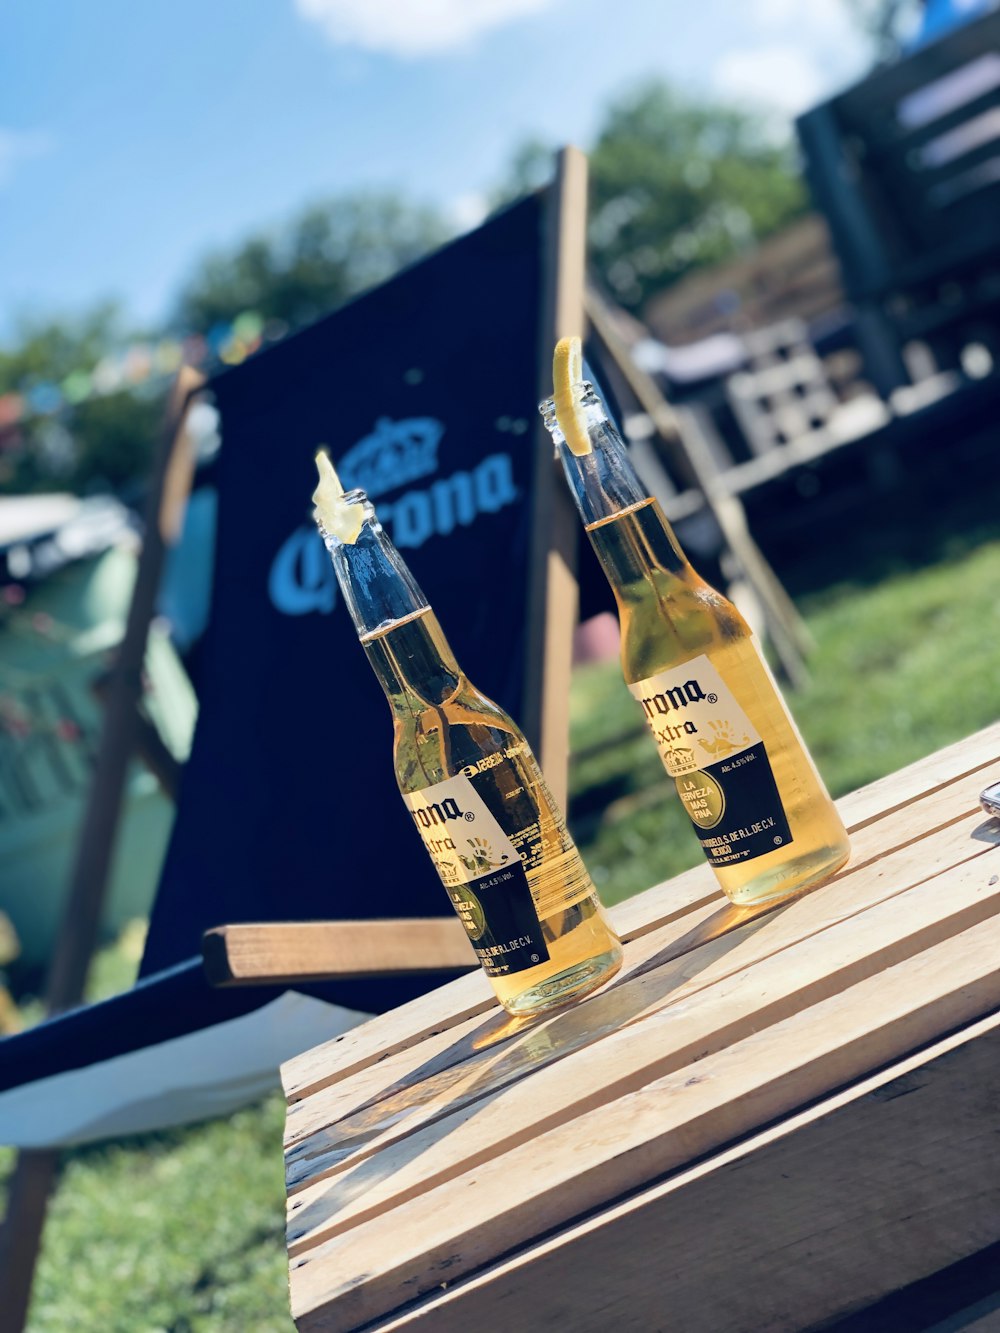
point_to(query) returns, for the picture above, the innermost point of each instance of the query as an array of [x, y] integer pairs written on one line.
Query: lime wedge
[[337, 518], [567, 382]]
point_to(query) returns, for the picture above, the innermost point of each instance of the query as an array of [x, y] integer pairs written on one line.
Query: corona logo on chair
[[301, 579], [393, 454]]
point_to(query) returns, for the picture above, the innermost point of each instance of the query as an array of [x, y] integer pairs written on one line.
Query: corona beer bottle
[[758, 805], [469, 781]]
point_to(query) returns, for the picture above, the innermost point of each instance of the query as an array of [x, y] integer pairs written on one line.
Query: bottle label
[[483, 873], [720, 765]]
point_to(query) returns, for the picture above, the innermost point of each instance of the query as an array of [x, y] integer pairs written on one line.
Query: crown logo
[[393, 454]]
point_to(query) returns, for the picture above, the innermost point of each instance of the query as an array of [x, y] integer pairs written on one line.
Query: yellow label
[[464, 840], [694, 717]]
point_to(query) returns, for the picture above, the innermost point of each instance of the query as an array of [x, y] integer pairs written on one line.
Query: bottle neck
[[603, 482], [414, 664], [396, 626], [605, 485]]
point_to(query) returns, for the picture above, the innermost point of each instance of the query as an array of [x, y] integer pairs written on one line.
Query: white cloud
[[17, 146], [782, 77], [412, 27], [816, 45]]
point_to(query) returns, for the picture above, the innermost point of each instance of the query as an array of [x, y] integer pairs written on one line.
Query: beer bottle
[[764, 818], [470, 783]]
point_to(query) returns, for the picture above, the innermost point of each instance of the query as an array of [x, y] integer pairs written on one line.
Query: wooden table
[[766, 1121]]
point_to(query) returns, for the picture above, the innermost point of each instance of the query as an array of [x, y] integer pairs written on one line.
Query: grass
[[180, 1231], [183, 1231]]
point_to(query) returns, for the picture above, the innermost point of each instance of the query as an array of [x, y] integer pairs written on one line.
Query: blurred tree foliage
[[51, 349], [98, 445], [676, 183], [323, 257], [316, 262], [104, 444]]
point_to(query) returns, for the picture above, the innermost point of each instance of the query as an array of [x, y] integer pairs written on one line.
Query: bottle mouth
[[589, 399], [355, 496]]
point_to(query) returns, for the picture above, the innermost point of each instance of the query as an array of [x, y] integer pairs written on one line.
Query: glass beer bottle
[[471, 785], [764, 818]]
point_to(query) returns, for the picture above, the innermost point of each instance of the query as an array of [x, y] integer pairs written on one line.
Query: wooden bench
[[767, 1121]]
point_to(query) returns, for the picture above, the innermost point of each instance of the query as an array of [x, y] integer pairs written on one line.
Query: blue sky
[[135, 137]]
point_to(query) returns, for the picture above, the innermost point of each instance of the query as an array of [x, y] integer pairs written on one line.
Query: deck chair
[[287, 807], [425, 389]]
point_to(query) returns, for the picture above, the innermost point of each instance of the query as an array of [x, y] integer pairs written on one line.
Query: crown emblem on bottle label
[[396, 452], [694, 716]]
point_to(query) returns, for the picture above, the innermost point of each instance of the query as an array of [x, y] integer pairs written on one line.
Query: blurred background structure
[[792, 235]]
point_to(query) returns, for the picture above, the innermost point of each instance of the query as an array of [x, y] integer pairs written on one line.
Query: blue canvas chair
[[425, 391]]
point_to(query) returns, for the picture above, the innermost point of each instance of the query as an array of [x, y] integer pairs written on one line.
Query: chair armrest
[[285, 952]]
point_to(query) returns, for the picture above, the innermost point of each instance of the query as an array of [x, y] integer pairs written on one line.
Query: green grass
[[183, 1231], [180, 1231]]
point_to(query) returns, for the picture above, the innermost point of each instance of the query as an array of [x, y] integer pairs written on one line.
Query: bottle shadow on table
[[413, 1117]]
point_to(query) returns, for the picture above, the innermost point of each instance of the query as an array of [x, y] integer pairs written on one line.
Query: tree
[[323, 257], [678, 183], [53, 348], [103, 443], [114, 436], [529, 168]]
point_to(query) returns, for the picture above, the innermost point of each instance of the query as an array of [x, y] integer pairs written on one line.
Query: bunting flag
[[140, 363]]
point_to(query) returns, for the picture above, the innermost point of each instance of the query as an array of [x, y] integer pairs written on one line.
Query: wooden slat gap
[[374, 1056], [642, 929], [988, 771], [855, 866]]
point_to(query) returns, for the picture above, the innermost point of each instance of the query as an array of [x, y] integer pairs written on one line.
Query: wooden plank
[[765, 281], [505, 1202], [553, 596], [416, 1086], [149, 744], [471, 996], [466, 998], [885, 861], [868, 1191], [28, 1194], [269, 953], [385, 1034], [417, 1140], [923, 777], [457, 1054]]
